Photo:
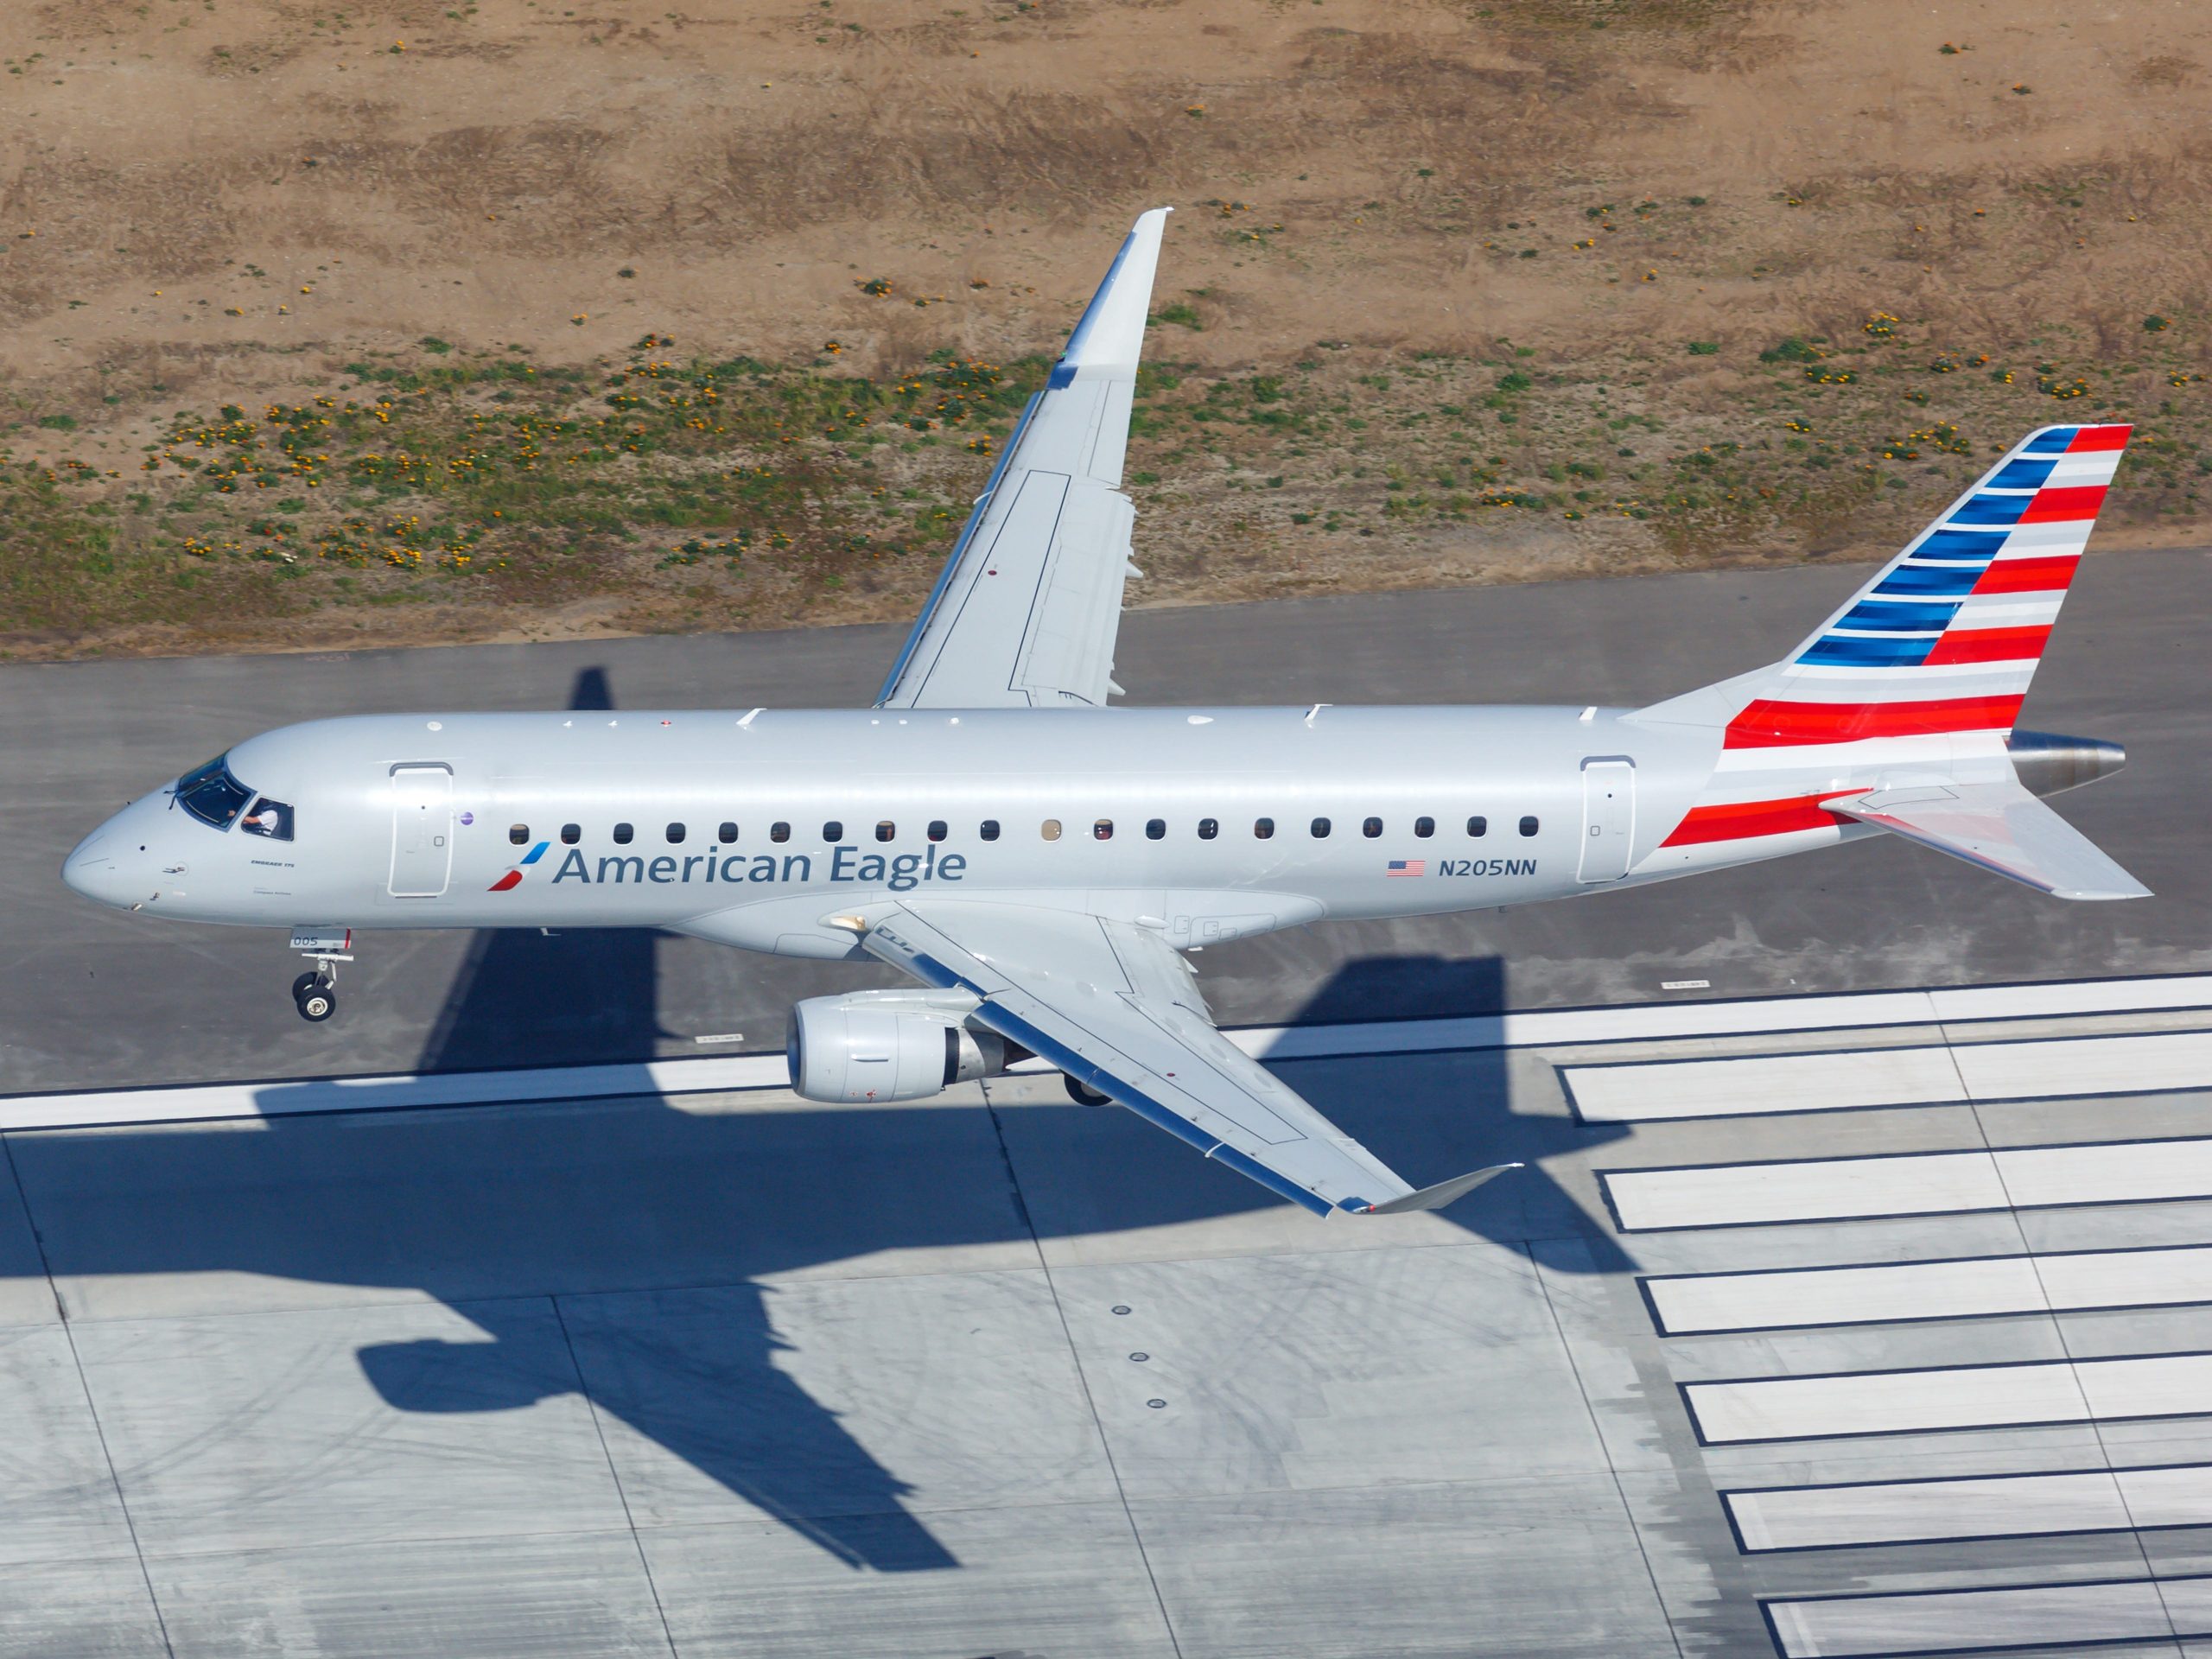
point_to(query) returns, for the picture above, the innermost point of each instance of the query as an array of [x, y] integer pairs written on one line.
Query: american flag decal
[[1407, 866]]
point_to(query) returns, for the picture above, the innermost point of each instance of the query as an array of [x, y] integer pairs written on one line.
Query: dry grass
[[181, 170]]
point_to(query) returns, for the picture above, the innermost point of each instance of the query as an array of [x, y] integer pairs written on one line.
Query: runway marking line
[[1969, 1509], [1743, 1299], [1939, 1074]]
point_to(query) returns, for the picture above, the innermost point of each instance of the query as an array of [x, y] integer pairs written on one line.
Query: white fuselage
[[774, 830]]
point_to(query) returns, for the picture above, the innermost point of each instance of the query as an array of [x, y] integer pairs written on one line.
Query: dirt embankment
[[1460, 292]]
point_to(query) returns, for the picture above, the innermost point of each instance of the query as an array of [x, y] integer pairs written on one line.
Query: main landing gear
[[1082, 1094], [315, 993]]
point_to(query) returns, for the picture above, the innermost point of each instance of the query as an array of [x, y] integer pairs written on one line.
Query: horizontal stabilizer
[[2001, 828], [1435, 1198]]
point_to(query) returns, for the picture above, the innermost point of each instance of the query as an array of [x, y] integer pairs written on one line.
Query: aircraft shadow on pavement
[[491, 1210]]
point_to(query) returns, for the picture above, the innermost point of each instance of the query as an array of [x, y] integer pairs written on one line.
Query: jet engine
[[890, 1045]]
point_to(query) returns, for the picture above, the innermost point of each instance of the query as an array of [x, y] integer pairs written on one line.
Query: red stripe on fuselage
[[1768, 724], [2044, 576], [1988, 645], [1739, 820], [510, 880], [2061, 505]]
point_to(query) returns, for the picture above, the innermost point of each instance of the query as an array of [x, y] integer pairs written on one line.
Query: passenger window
[[833, 831], [622, 834], [886, 830], [571, 834], [990, 829], [1155, 828], [780, 832], [1209, 828], [1320, 829], [1371, 828], [936, 828], [1527, 826], [675, 834], [1103, 830], [726, 834], [1262, 829], [274, 820], [1477, 827], [1050, 829], [1424, 828], [518, 833]]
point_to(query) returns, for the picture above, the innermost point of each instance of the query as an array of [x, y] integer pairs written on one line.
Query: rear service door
[[1608, 819], [422, 830]]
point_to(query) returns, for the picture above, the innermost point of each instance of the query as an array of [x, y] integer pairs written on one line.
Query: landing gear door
[[421, 831], [1608, 819]]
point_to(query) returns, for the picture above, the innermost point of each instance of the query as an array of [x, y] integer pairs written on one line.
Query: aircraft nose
[[83, 868], [93, 868]]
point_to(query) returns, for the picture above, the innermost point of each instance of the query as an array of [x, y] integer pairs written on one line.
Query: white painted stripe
[[1920, 672], [1921, 1511], [2090, 466], [1938, 1183], [2039, 1071], [1545, 1027], [1729, 1195], [1970, 1396], [1816, 764], [2041, 540], [1967, 1621], [1976, 1288], [2009, 609], [2138, 1064], [1763, 1084]]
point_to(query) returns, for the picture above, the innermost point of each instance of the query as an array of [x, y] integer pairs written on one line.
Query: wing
[[1113, 1006], [2001, 828], [1025, 612]]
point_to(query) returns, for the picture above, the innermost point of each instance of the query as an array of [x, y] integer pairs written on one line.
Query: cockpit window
[[270, 818], [212, 795]]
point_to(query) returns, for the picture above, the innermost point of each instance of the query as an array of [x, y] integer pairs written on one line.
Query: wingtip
[[1435, 1198]]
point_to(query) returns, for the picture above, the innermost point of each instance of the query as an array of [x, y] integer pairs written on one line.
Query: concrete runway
[[994, 1375]]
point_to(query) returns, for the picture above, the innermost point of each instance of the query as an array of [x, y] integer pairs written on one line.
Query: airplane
[[1041, 864]]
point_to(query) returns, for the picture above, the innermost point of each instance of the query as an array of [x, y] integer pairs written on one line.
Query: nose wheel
[[316, 995]]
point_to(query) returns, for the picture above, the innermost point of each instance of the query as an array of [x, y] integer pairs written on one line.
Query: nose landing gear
[[316, 993]]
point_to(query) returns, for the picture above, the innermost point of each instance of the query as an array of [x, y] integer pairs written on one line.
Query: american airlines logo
[[513, 878], [845, 866]]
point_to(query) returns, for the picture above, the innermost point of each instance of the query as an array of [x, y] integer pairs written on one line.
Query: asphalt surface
[[995, 1375], [91, 997]]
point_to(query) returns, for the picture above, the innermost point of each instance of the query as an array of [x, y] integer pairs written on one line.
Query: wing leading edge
[[1027, 611], [1115, 1007]]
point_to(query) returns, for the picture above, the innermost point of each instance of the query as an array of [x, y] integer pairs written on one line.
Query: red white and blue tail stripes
[[1931, 658]]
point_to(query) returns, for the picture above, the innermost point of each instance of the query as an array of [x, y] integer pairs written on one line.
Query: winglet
[[1435, 1198], [1111, 337]]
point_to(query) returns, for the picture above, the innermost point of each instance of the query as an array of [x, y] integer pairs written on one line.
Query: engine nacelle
[[889, 1045]]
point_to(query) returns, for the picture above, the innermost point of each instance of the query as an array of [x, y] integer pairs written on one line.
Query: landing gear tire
[[300, 986], [316, 1001], [1082, 1094]]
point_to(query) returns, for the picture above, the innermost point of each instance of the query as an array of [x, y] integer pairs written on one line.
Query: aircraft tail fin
[[1946, 638], [1999, 827]]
